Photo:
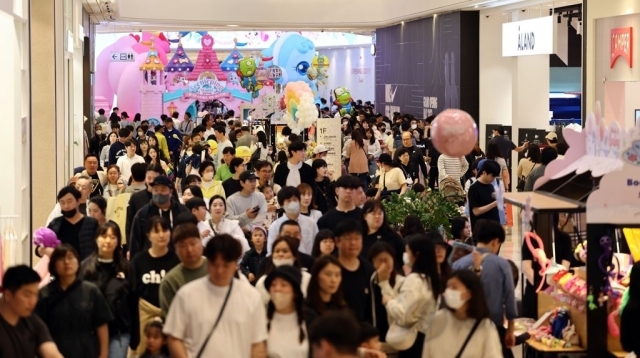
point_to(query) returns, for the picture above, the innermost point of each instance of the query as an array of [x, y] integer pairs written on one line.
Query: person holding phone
[[248, 206]]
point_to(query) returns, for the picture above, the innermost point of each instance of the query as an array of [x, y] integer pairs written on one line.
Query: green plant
[[433, 210]]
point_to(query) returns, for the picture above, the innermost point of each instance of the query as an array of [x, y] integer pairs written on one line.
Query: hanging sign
[[529, 37], [329, 134]]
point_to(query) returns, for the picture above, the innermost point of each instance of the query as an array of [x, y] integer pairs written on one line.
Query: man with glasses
[[264, 170], [415, 154]]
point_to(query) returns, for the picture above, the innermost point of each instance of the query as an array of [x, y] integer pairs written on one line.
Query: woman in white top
[[219, 225], [373, 150], [465, 318], [392, 179], [454, 167], [284, 252], [307, 203], [111, 190], [104, 154], [418, 298], [262, 145], [288, 335], [493, 153]]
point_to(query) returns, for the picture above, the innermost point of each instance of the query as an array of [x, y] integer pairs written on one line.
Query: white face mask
[[270, 152], [453, 298], [405, 258], [207, 176], [281, 300], [293, 208], [280, 262], [414, 126], [98, 132]]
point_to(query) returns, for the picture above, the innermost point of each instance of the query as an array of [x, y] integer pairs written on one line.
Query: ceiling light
[[232, 25], [402, 22], [435, 15]]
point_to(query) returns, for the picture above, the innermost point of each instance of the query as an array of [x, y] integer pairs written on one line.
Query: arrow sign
[[123, 57]]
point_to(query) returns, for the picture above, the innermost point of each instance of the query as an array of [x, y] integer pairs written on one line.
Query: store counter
[[535, 349]]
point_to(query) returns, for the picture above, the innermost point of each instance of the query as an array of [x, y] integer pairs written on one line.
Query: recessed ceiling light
[[232, 25], [476, 6], [402, 22]]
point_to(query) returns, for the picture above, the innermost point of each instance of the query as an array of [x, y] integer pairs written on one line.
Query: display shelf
[[538, 346], [544, 203], [619, 354]]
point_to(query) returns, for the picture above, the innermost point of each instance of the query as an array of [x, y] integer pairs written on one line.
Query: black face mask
[[69, 213], [145, 128]]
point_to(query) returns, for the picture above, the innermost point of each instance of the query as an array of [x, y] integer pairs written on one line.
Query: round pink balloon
[[454, 133]]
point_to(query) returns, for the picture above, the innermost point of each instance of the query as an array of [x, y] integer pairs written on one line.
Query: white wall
[[353, 68]]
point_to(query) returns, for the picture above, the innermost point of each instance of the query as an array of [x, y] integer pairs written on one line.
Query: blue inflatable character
[[293, 53]]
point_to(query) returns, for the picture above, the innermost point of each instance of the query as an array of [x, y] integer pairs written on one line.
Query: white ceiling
[[357, 16]]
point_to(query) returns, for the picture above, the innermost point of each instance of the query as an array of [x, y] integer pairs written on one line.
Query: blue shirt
[[173, 143], [497, 280]]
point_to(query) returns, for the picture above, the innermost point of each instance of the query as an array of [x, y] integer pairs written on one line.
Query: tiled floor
[[511, 250]]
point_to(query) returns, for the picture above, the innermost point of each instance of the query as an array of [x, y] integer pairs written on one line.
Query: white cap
[[320, 149], [552, 136]]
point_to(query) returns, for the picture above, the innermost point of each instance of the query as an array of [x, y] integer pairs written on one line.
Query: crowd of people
[[267, 256]]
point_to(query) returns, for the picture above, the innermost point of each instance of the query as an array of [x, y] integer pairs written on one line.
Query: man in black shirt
[[118, 149], [98, 177], [482, 196], [356, 272], [346, 188], [22, 333], [506, 145]]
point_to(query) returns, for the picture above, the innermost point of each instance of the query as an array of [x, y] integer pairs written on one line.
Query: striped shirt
[[451, 166]]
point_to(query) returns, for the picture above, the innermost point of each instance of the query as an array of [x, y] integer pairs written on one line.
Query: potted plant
[[433, 209]]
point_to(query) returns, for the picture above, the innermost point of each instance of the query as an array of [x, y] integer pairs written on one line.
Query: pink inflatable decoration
[[124, 78], [454, 133]]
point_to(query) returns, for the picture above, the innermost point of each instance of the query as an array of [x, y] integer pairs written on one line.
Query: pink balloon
[[454, 133]]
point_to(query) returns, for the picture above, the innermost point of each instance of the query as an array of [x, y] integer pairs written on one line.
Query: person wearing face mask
[[288, 333], [163, 204], [285, 253], [464, 328], [497, 278], [289, 200], [95, 143], [72, 227]]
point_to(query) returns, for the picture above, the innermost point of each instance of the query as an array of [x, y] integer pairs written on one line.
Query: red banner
[[622, 45]]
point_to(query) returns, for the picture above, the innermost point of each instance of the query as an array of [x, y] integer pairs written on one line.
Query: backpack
[[452, 190]]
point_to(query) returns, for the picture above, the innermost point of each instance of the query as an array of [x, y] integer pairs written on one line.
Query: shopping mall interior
[[557, 76]]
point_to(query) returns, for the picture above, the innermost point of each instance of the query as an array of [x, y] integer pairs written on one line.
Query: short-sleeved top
[[480, 195], [24, 339], [357, 290], [72, 317], [393, 179], [243, 322], [148, 273], [503, 166], [505, 145]]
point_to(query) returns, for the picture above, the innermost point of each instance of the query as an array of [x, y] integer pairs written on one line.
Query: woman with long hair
[[374, 150], [442, 253], [376, 227], [283, 253], [143, 148], [261, 145], [75, 311], [108, 269], [493, 153], [210, 187], [308, 202], [464, 328], [419, 296], [392, 179], [461, 229], [323, 186], [531, 160], [288, 336], [412, 225], [324, 292], [111, 188], [383, 255], [155, 156], [97, 209], [356, 150], [104, 152], [324, 243], [218, 224]]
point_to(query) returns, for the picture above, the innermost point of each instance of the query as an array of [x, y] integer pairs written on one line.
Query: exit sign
[[122, 57]]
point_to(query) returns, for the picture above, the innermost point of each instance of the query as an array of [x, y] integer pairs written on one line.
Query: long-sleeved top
[[116, 150], [374, 149], [162, 144], [358, 161], [308, 228], [225, 226], [173, 143], [307, 174], [451, 166], [416, 157], [237, 205], [497, 280], [412, 303], [104, 155]]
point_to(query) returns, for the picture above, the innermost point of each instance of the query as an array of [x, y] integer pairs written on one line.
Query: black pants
[[364, 178], [433, 177], [506, 352], [416, 349]]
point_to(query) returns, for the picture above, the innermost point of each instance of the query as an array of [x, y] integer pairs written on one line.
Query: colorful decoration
[[152, 62], [454, 133], [247, 72], [321, 64], [45, 237], [171, 108], [207, 61], [180, 62], [301, 111], [343, 101], [231, 62]]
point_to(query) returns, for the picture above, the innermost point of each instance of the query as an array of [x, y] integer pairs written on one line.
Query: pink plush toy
[[44, 237]]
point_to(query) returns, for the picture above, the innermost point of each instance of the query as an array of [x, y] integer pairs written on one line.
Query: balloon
[[454, 133]]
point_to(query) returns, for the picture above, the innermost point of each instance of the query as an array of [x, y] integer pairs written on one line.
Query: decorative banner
[[622, 45], [329, 134]]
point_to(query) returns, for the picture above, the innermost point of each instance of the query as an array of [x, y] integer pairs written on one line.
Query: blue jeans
[[119, 345]]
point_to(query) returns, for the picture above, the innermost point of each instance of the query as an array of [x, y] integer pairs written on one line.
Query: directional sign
[[122, 57]]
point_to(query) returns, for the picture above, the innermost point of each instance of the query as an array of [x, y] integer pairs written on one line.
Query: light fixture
[[562, 95], [475, 7], [402, 22], [435, 15], [232, 25], [560, 18]]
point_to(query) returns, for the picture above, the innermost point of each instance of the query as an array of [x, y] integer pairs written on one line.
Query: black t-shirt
[[148, 272], [480, 195], [563, 249], [69, 232], [231, 186], [96, 185], [24, 339], [356, 290], [333, 217]]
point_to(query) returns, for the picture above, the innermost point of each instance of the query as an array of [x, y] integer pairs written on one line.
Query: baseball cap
[[552, 136], [162, 180], [247, 175], [320, 149]]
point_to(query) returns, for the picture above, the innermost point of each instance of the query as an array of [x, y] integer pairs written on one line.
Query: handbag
[[523, 180], [400, 337], [256, 155], [226, 299], [466, 341]]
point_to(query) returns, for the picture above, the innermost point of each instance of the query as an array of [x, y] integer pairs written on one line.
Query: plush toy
[[559, 322], [45, 237]]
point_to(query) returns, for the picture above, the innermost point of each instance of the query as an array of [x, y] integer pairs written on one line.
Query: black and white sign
[[529, 37], [122, 57]]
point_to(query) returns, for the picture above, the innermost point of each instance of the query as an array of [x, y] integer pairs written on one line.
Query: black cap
[[288, 273], [348, 181], [247, 175], [162, 180]]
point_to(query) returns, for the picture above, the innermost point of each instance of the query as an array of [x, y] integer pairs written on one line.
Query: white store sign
[[329, 134], [529, 37]]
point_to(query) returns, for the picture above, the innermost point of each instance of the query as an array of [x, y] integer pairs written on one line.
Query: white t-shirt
[[195, 308], [293, 179], [125, 163], [284, 337]]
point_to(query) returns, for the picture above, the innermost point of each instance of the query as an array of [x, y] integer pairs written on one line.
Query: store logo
[[389, 94], [622, 45], [526, 41]]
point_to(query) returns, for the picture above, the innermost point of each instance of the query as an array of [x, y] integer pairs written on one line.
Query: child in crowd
[[272, 204], [156, 341], [324, 243], [252, 258], [474, 178], [370, 345]]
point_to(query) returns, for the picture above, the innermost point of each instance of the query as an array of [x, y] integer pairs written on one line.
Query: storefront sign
[[329, 134], [207, 88], [622, 45], [529, 37]]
